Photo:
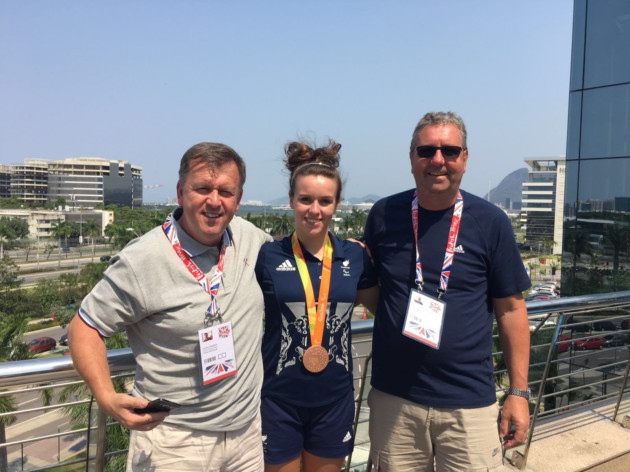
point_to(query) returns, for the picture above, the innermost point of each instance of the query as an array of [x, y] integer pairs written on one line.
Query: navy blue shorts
[[324, 431]]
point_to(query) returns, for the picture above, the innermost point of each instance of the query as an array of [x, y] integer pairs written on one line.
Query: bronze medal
[[315, 359]]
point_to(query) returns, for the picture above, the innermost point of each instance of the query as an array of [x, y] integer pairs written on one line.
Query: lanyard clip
[[211, 318]]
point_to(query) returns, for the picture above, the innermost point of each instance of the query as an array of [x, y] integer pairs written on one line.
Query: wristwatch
[[519, 393]]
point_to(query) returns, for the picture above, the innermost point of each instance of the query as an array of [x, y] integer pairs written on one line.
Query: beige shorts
[[169, 448], [406, 436]]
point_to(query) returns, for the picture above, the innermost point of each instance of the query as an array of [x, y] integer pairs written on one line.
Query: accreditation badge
[[424, 319], [218, 360]]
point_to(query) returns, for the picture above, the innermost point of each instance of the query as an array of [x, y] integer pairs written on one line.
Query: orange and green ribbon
[[316, 313]]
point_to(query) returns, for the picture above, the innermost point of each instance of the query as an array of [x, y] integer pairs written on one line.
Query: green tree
[[10, 230], [61, 202], [92, 274], [281, 225], [8, 278], [140, 220], [575, 242], [119, 235], [356, 223], [8, 404], [12, 348], [116, 436], [548, 245], [63, 229], [47, 295], [91, 229], [259, 221], [10, 285], [12, 329], [10, 203], [619, 237]]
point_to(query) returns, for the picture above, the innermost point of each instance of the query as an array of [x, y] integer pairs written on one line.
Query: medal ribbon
[[210, 286], [449, 256], [316, 315]]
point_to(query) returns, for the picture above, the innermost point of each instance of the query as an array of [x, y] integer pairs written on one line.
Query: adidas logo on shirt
[[347, 437], [286, 266], [460, 249]]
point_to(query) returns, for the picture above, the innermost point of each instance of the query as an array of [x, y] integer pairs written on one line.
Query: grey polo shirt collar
[[191, 246]]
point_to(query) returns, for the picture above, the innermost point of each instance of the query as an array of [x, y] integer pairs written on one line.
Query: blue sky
[[143, 81]]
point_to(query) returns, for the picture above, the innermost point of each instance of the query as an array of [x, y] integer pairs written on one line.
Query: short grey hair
[[439, 118]]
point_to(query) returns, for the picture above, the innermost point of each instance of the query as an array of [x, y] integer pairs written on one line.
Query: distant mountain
[[371, 198], [279, 201], [508, 192]]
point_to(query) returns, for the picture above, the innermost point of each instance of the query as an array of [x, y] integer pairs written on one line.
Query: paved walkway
[[43, 452], [582, 440]]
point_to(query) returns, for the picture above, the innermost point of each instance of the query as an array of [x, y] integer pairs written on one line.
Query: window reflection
[[605, 130], [596, 245], [577, 50], [604, 180], [607, 43], [573, 125]]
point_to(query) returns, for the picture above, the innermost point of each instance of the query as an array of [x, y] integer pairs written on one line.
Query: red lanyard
[[210, 286], [449, 256]]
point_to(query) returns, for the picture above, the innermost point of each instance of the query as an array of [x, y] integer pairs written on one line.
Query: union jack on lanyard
[[449, 255]]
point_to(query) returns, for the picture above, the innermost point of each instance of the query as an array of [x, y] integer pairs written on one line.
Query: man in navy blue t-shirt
[[448, 265]]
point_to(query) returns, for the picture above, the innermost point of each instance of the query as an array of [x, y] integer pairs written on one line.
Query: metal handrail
[[39, 370], [21, 374]]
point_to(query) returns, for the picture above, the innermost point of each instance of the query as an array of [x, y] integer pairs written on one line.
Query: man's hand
[[514, 421], [120, 406]]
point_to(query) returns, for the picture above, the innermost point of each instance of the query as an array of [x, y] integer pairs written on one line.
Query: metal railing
[[562, 377]]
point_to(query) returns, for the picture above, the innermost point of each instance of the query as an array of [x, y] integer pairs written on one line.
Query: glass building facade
[[596, 241]]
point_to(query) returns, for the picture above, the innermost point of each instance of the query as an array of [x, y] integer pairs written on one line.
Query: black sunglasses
[[449, 152]]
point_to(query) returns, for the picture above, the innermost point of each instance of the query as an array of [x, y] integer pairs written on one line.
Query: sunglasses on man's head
[[448, 152]]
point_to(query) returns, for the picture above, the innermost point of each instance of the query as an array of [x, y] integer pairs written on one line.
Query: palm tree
[[117, 436], [91, 229], [63, 229], [12, 348], [8, 404], [257, 220], [548, 245], [577, 243], [282, 225]]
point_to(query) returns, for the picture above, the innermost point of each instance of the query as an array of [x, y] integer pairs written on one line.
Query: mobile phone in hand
[[159, 404]]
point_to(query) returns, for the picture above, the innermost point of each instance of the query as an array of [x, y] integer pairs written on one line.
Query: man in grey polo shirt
[[187, 296]]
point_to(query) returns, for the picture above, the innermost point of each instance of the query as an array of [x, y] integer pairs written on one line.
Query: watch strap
[[519, 393]]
